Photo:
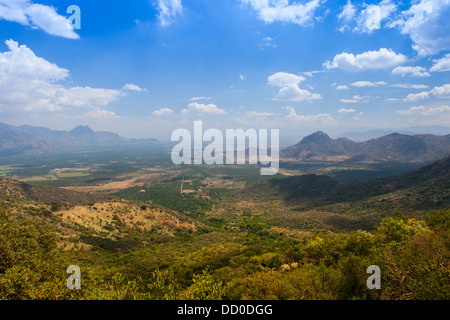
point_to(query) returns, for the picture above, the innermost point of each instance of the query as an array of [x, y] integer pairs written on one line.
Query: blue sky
[[144, 68]]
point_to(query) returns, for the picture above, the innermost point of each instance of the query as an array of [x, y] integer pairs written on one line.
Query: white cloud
[[133, 87], [413, 71], [342, 87], [281, 79], [168, 10], [294, 93], [242, 77], [37, 16], [425, 111], [322, 118], [365, 18], [203, 108], [348, 13], [311, 73], [440, 92], [443, 91], [344, 110], [427, 24], [200, 98], [425, 21], [356, 99], [290, 90], [28, 82], [410, 86], [417, 96], [431, 115], [362, 84], [371, 17], [369, 60], [21, 62], [270, 11], [163, 112], [442, 64], [101, 114]]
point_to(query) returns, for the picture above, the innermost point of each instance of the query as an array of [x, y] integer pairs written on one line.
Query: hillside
[[425, 188], [15, 140], [393, 147], [12, 189]]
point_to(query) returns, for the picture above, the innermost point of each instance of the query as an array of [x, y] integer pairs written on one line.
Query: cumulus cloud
[[21, 62], [365, 18], [168, 10], [440, 92], [285, 10], [133, 87], [441, 65], [427, 24], [443, 91], [203, 108], [290, 90], [372, 15], [413, 71], [163, 112], [347, 14], [417, 96], [425, 111], [282, 79], [369, 60], [28, 82], [427, 115], [37, 16]]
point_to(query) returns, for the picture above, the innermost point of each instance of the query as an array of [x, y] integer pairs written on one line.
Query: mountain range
[[15, 140], [393, 147]]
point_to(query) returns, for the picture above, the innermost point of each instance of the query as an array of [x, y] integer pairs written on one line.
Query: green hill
[[425, 188]]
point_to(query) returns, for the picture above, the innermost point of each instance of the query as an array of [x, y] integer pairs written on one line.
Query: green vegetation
[[413, 255], [194, 232]]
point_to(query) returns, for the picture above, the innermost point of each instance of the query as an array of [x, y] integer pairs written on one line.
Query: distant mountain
[[372, 134], [16, 140], [368, 134], [393, 147], [13, 142]]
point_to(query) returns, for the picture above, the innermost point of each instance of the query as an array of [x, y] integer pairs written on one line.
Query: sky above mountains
[[144, 68]]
